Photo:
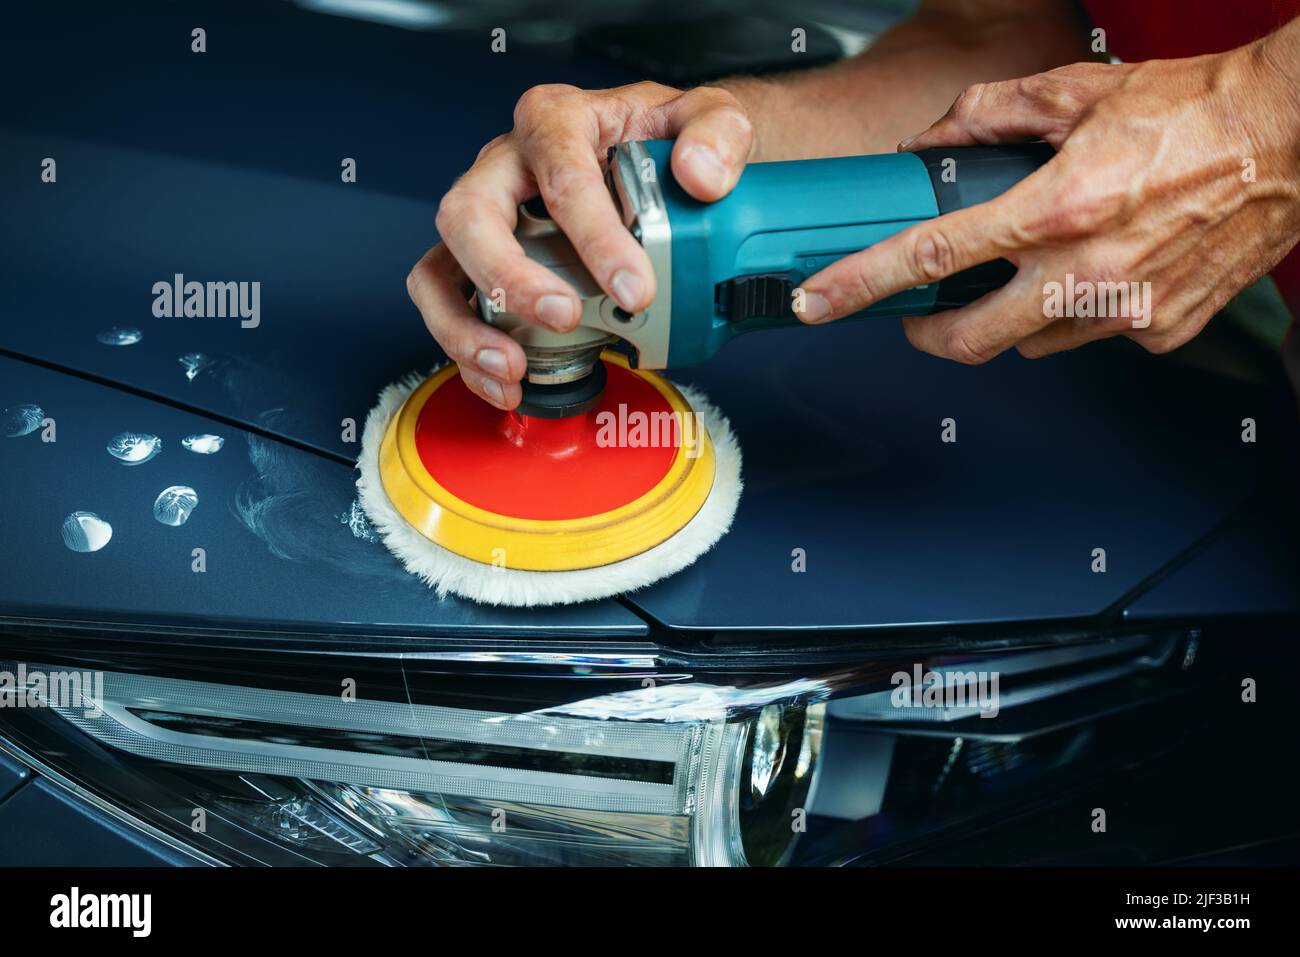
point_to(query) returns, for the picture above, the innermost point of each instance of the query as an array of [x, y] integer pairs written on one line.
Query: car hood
[[857, 513]]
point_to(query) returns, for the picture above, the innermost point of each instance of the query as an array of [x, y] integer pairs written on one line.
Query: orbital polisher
[[607, 477]]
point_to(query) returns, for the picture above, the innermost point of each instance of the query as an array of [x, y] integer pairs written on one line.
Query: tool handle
[[986, 173], [737, 261]]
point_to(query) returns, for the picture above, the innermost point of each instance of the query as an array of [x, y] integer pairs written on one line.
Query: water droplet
[[203, 444], [355, 519], [134, 448], [86, 532], [21, 420], [120, 336], [194, 363], [174, 504]]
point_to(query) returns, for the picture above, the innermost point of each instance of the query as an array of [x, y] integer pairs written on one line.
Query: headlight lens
[[487, 757], [781, 754], [342, 781]]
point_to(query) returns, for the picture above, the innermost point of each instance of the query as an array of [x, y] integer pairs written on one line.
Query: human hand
[[556, 149], [1184, 174]]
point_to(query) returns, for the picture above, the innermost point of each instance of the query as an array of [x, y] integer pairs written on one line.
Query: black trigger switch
[[763, 296]]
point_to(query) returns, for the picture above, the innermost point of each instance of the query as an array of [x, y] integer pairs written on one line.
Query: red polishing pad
[[533, 468], [550, 495]]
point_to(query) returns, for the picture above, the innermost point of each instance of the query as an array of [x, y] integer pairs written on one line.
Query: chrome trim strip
[[118, 727]]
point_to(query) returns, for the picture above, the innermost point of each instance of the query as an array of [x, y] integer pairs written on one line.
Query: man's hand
[[556, 150], [1181, 173]]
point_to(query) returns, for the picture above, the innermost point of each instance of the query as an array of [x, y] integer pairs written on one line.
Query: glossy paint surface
[[1102, 448], [278, 549], [847, 474]]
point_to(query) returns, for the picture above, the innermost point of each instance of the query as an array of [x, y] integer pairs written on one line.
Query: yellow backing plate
[[534, 544]]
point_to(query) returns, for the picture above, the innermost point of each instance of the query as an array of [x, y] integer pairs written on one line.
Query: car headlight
[[531, 755], [258, 774]]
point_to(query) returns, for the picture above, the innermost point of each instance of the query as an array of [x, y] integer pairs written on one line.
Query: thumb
[[714, 141]]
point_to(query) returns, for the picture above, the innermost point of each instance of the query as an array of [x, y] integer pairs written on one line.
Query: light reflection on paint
[[194, 363], [21, 420], [134, 448], [86, 532], [203, 444], [175, 504], [120, 336]]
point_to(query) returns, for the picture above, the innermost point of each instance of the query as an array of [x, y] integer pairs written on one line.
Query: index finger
[[916, 256]]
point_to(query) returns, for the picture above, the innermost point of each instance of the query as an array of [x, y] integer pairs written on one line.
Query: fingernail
[[494, 391], [815, 307], [907, 142], [628, 288], [707, 165], [557, 312], [493, 362]]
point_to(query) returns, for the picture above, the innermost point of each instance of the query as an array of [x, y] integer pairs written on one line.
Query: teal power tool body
[[731, 267]]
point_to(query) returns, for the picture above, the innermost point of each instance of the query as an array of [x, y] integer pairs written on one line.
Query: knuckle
[[1156, 329], [1083, 209], [468, 374], [1098, 272], [1166, 335], [1163, 326], [561, 184], [463, 346], [492, 145], [624, 104], [723, 104], [912, 332], [415, 279], [1196, 319], [1113, 324], [1043, 88], [1023, 232], [537, 101], [1159, 343], [932, 255], [965, 109], [720, 97], [503, 280], [1053, 91], [643, 90], [1081, 70], [1068, 221], [734, 116], [867, 288], [1159, 308], [602, 248], [962, 346], [451, 210]]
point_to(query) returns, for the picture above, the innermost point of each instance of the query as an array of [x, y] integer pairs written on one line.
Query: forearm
[[908, 77]]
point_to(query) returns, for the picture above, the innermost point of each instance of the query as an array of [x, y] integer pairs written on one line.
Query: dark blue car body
[[227, 167]]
